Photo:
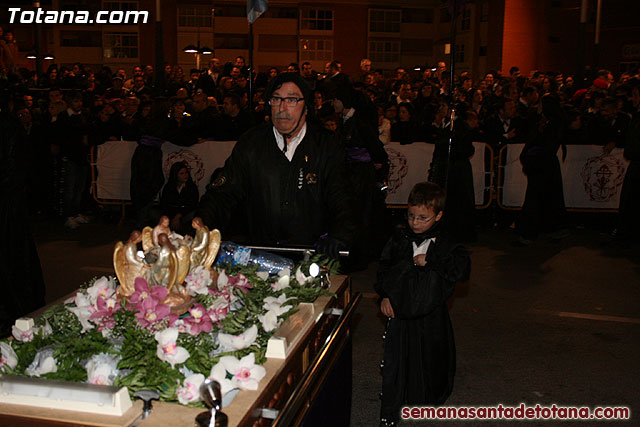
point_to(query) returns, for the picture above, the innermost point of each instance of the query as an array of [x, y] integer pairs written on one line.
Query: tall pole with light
[[255, 8], [197, 50], [38, 40]]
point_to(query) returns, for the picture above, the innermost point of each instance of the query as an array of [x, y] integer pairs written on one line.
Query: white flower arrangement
[[235, 314]]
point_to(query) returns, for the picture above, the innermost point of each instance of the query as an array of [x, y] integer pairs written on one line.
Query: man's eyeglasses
[[419, 218], [289, 101]]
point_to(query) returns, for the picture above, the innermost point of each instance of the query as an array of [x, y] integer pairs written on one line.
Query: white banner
[[114, 164], [409, 164], [590, 179]]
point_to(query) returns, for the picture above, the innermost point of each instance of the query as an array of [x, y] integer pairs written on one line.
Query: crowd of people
[[64, 112]]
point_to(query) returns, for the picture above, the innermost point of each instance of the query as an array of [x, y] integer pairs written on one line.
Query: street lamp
[[196, 49], [46, 56]]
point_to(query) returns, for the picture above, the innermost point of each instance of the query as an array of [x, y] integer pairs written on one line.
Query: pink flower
[[219, 309], [199, 320], [106, 307], [151, 311], [142, 292], [240, 282]]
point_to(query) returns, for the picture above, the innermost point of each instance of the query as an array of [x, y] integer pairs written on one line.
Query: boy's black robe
[[419, 355]]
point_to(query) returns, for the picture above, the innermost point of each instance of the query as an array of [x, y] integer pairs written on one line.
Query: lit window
[[120, 45], [316, 49], [316, 19], [384, 21]]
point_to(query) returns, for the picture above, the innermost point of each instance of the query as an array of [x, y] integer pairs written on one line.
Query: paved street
[[551, 323]]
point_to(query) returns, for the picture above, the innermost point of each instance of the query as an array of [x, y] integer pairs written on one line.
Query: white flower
[[46, 329], [264, 275], [282, 283], [83, 310], [269, 320], [168, 350], [102, 369], [83, 313], [219, 373], [43, 363], [223, 280], [103, 287], [246, 374], [238, 342], [301, 278], [8, 357], [272, 303], [197, 281], [190, 391], [284, 272]]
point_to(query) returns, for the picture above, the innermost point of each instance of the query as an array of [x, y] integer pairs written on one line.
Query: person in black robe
[[21, 282], [543, 207], [288, 175], [179, 198], [460, 205], [418, 270], [628, 228]]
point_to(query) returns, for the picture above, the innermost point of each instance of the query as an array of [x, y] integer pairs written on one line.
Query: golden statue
[[128, 265], [205, 246], [165, 269], [165, 263]]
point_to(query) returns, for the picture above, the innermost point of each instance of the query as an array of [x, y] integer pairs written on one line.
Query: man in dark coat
[[287, 175]]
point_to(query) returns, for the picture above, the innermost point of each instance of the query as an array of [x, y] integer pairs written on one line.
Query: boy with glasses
[[419, 268]]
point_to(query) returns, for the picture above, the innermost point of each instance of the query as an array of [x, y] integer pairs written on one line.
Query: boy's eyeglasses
[[289, 101], [419, 218]]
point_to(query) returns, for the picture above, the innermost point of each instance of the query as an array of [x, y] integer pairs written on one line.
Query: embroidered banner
[[409, 164], [114, 164], [590, 179]]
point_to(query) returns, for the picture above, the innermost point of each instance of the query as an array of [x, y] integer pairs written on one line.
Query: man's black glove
[[330, 247]]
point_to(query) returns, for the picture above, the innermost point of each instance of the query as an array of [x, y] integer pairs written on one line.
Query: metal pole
[[596, 45], [452, 103], [38, 45], [159, 50], [452, 57], [250, 67], [582, 31]]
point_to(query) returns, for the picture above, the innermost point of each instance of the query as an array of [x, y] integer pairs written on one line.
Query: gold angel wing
[[184, 263], [147, 238], [212, 250], [173, 271], [119, 261], [120, 266]]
